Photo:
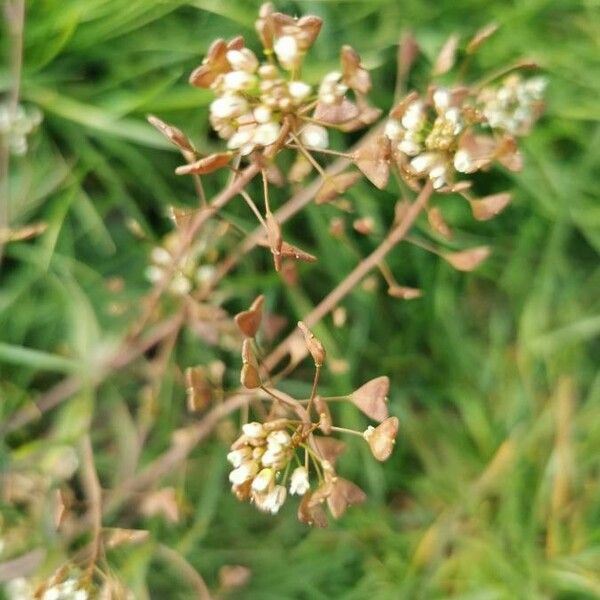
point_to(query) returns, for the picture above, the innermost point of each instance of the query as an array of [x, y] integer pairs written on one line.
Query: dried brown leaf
[[467, 260], [371, 398]]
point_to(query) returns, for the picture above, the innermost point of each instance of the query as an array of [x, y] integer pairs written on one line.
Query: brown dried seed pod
[[438, 223], [344, 493], [337, 113], [205, 165], [199, 392], [310, 513], [488, 207], [382, 438], [248, 321], [481, 36], [172, 133], [329, 448], [398, 111], [467, 260], [354, 75], [371, 398], [249, 377], [373, 159], [313, 345], [447, 56], [404, 293], [332, 187]]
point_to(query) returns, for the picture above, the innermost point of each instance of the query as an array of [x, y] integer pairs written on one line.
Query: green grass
[[493, 491]]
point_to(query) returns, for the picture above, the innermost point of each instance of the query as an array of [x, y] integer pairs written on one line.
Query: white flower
[[52, 593], [254, 430], [286, 50], [315, 136], [242, 60], [414, 116], [154, 274], [275, 499], [263, 480], [424, 162], [240, 138], [409, 147], [243, 473], [280, 437], [236, 81], [441, 98], [262, 114], [266, 134], [228, 107], [299, 483], [161, 256], [272, 457], [463, 162], [19, 589], [180, 284], [299, 90], [237, 457], [393, 130]]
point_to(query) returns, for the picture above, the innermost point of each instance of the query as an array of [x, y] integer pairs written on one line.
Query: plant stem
[[396, 235]]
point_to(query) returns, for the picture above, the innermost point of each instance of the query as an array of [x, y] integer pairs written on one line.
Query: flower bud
[[263, 480], [299, 483]]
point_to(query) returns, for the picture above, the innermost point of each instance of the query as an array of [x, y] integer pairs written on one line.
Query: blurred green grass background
[[493, 491]]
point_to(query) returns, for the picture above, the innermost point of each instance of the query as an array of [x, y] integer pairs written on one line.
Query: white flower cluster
[[21, 589], [515, 105], [15, 126], [188, 273], [427, 138], [252, 98], [258, 456]]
